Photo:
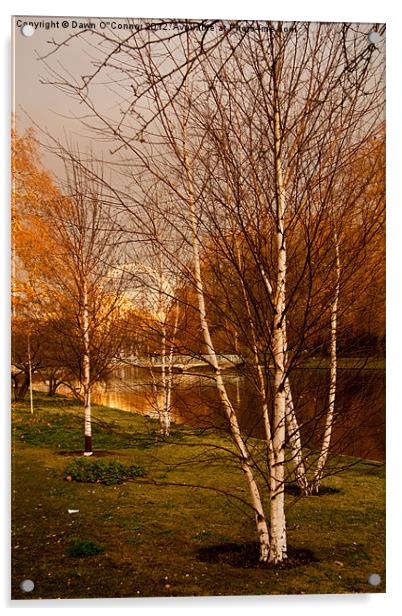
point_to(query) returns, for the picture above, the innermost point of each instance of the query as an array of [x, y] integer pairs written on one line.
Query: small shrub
[[84, 548], [101, 471]]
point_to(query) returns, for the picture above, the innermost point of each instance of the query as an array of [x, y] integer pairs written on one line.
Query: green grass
[[83, 548], [152, 531], [110, 473]]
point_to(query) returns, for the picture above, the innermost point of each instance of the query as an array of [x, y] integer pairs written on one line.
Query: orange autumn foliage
[[33, 193]]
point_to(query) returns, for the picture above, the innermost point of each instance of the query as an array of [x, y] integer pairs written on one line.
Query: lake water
[[359, 428]]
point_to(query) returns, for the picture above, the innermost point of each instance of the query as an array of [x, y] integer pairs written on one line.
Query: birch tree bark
[[164, 416], [292, 425], [295, 442], [86, 365], [277, 479], [30, 374], [169, 376], [329, 420]]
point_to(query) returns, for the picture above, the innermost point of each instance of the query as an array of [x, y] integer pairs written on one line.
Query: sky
[[37, 101]]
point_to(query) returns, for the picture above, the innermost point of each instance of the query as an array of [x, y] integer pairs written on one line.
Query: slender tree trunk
[[30, 374], [261, 378], [256, 501], [329, 420], [86, 375], [293, 430], [292, 425], [155, 389], [168, 396], [164, 418], [277, 480]]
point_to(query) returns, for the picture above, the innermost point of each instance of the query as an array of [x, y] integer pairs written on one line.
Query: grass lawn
[[147, 537]]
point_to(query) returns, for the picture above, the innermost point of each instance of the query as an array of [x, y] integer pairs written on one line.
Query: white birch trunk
[[292, 424], [277, 479], [86, 374], [30, 374], [256, 501], [166, 409], [164, 428], [293, 429], [329, 419], [295, 443], [158, 398], [260, 373], [168, 396]]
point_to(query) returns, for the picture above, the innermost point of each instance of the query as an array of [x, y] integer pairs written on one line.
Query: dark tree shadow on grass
[[246, 555]]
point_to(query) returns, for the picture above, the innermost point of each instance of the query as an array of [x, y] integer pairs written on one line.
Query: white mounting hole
[[374, 37], [27, 30], [374, 579], [27, 585]]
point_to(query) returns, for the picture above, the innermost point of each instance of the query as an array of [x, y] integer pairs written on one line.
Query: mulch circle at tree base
[[294, 490], [246, 555]]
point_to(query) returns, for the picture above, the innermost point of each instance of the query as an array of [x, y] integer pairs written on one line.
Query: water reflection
[[360, 404]]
